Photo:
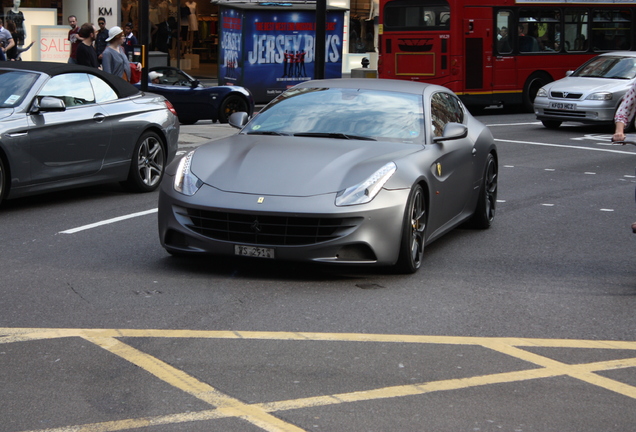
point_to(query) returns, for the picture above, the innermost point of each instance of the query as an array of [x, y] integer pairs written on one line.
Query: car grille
[[566, 95], [267, 229], [561, 113]]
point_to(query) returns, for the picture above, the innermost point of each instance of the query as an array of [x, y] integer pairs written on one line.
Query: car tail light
[[170, 107]]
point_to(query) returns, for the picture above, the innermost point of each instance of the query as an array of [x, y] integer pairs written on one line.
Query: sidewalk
[[202, 131]]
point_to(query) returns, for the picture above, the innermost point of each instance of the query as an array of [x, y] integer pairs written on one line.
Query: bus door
[[505, 64], [416, 40], [478, 55]]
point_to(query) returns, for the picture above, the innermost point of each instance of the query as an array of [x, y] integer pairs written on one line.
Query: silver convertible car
[[64, 126], [591, 94], [336, 171]]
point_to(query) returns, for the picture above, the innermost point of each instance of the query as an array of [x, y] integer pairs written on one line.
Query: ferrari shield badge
[[260, 200], [439, 169]]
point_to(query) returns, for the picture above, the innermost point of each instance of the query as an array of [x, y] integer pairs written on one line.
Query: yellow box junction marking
[[260, 414]]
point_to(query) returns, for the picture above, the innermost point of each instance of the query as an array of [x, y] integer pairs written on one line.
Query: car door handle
[[99, 117], [17, 134]]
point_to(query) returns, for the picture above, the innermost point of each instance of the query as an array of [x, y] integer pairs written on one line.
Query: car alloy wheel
[[413, 232], [2, 180], [487, 201], [148, 163], [230, 105]]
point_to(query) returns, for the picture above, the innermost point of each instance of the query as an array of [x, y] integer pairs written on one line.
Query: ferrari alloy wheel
[[3, 183], [148, 163], [230, 105], [487, 202], [413, 232]]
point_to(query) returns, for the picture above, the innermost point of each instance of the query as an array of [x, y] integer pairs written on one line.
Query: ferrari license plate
[[563, 106], [253, 251]]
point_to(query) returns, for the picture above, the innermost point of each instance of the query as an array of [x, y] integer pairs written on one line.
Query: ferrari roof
[[121, 87]]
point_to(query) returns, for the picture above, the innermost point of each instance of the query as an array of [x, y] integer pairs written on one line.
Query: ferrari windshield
[[342, 113], [14, 85], [608, 67]]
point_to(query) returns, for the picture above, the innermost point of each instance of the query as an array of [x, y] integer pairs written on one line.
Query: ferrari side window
[[445, 108]]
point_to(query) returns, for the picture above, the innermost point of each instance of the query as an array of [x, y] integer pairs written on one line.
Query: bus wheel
[[533, 84]]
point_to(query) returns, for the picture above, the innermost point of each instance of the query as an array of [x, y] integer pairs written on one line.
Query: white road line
[[607, 210], [548, 205], [567, 146], [108, 221]]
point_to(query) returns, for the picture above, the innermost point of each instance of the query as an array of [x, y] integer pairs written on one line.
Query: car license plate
[[253, 251], [563, 106]]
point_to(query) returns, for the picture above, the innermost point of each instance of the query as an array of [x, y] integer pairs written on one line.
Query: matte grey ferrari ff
[[64, 126], [335, 171]]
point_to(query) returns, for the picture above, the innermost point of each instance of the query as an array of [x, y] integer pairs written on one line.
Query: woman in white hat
[[114, 60]]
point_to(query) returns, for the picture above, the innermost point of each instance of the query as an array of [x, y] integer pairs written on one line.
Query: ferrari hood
[[292, 166]]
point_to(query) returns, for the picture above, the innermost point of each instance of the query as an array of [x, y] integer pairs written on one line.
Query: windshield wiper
[[258, 132], [336, 135]]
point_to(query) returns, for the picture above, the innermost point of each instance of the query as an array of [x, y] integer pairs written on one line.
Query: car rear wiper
[[258, 132], [336, 135]]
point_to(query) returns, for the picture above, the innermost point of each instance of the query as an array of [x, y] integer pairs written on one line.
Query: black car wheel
[[230, 105], [413, 232], [3, 181], [532, 86], [148, 163], [551, 124], [487, 201]]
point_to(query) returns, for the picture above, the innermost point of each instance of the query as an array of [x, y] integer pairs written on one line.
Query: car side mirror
[[568, 73], [195, 83], [48, 104], [452, 131], [238, 119]]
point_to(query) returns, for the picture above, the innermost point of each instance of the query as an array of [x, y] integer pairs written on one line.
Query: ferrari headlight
[[542, 92], [364, 192], [185, 182], [602, 96]]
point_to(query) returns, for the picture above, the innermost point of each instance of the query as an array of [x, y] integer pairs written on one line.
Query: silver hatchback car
[[591, 94]]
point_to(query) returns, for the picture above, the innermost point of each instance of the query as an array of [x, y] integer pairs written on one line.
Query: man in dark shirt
[[86, 54], [74, 38], [100, 38]]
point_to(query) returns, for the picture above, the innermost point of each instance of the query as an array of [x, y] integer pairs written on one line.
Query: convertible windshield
[[608, 67], [14, 85], [342, 114]]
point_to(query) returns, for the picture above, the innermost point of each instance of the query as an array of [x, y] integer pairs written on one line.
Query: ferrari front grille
[[271, 230]]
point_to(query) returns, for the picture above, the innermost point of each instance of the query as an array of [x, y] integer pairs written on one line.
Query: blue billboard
[[269, 50]]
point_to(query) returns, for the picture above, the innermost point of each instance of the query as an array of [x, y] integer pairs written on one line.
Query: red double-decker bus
[[497, 51]]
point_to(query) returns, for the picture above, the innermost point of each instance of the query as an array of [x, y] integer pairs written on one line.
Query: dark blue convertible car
[[194, 102]]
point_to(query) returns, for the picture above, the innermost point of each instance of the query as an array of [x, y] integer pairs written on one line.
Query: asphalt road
[[527, 326]]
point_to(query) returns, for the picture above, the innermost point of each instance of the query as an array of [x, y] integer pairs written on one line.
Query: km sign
[[105, 11]]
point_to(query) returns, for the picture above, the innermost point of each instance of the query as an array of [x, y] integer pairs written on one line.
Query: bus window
[[539, 30], [503, 33], [576, 26], [610, 29], [403, 15]]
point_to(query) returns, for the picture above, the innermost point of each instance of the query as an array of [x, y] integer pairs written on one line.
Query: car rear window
[[14, 86]]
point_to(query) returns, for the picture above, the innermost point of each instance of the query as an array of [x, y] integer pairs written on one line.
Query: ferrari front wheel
[[487, 201], [413, 232]]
